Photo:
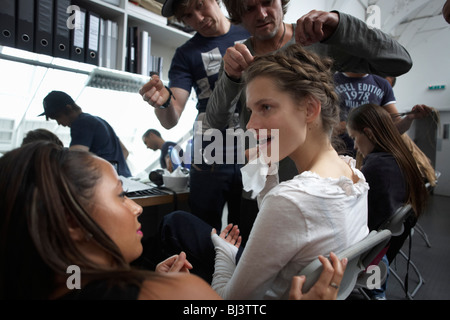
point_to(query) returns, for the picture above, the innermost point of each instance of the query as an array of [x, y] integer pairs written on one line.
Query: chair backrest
[[395, 224], [359, 255]]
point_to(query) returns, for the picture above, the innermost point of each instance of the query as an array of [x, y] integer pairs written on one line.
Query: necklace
[[282, 37], [280, 42]]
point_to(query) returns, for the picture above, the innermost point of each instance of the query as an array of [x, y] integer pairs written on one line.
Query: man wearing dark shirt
[[88, 132], [153, 140]]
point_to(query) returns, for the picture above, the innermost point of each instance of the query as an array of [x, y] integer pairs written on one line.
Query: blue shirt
[[196, 63], [96, 134], [355, 92], [165, 152]]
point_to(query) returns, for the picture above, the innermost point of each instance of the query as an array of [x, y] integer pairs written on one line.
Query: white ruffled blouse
[[297, 221]]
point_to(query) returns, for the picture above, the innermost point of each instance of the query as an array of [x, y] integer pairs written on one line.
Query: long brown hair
[[423, 162], [45, 189], [387, 138]]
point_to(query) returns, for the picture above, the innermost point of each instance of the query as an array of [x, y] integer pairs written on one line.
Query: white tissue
[[178, 173], [254, 175]]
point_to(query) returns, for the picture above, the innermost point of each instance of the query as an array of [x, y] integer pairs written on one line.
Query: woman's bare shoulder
[[177, 286]]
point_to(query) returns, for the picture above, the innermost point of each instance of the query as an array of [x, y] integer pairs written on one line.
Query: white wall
[[430, 54], [298, 8]]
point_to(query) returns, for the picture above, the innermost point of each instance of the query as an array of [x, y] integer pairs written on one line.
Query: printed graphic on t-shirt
[[212, 61], [204, 88], [355, 94]]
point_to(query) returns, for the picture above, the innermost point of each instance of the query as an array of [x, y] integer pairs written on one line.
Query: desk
[[156, 200], [149, 195]]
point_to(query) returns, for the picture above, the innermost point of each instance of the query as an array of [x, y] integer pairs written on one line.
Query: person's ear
[[369, 134], [75, 232], [313, 108]]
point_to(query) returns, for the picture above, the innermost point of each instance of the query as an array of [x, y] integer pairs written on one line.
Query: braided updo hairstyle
[[301, 74]]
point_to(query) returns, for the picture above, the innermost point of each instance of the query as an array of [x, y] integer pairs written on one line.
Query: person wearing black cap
[[196, 65], [88, 132]]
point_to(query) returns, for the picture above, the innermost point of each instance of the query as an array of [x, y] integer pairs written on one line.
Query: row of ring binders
[[51, 27]]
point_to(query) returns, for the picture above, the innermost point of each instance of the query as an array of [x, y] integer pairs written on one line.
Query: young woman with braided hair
[[290, 94]]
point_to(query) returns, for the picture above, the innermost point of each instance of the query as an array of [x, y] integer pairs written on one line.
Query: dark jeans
[[182, 231], [249, 211], [211, 186], [396, 243]]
